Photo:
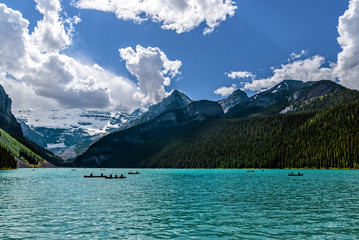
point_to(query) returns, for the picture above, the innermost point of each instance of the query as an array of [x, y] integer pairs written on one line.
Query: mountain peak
[[178, 95], [236, 97], [175, 100]]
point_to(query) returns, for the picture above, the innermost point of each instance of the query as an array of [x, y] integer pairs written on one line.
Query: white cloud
[[310, 69], [153, 71], [347, 68], [294, 56], [179, 15], [36, 73], [225, 91], [52, 33], [239, 75]]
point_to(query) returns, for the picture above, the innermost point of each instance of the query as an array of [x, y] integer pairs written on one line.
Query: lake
[[181, 204]]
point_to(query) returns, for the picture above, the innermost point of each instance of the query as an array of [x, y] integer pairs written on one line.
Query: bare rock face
[[175, 101], [283, 97], [318, 89], [235, 98], [201, 110], [7, 120]]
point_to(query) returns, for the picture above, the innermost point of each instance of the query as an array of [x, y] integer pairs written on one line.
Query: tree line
[[327, 138]]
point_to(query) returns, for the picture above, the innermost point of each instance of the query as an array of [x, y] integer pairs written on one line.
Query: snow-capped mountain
[[69, 132]]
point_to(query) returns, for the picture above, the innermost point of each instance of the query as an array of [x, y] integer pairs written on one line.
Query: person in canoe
[[91, 175]]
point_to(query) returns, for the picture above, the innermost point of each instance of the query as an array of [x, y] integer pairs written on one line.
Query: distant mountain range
[[240, 131], [254, 132], [68, 133]]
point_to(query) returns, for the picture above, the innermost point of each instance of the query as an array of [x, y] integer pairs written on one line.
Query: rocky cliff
[[7, 120]]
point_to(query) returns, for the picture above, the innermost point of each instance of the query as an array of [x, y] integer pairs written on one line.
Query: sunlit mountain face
[[63, 131]]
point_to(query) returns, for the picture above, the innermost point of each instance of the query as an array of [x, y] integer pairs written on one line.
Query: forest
[[7, 161], [327, 138]]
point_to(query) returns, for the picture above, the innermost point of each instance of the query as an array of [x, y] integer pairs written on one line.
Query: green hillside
[[324, 139], [11, 147]]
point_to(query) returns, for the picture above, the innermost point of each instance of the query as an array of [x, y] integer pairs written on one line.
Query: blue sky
[[258, 38]]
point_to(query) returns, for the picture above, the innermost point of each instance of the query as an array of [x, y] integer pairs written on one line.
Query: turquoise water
[[167, 204]]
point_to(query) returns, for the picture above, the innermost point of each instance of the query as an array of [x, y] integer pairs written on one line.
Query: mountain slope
[[17, 154], [323, 133], [235, 98], [283, 97], [325, 139], [176, 100], [69, 132], [129, 147], [12, 139]]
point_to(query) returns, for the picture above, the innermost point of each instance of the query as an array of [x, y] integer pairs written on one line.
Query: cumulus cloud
[[226, 91], [52, 33], [153, 71], [35, 72], [179, 15], [239, 75], [347, 67], [37, 63]]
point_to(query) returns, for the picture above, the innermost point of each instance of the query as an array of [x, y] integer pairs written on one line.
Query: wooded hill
[[321, 132], [13, 150]]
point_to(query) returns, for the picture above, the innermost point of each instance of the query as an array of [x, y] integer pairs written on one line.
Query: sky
[[120, 55]]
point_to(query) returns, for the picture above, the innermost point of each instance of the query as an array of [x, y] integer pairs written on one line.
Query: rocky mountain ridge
[[283, 97], [135, 146]]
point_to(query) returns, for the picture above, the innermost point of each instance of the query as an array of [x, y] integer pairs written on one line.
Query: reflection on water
[[158, 203]]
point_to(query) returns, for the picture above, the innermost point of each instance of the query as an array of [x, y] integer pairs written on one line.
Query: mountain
[[14, 153], [69, 132], [15, 149], [235, 98], [176, 100], [124, 148], [320, 130], [324, 138], [7, 119], [283, 97]]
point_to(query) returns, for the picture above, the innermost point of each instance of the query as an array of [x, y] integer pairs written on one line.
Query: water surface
[[167, 204]]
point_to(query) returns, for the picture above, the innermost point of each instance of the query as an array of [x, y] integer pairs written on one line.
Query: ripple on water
[[166, 204]]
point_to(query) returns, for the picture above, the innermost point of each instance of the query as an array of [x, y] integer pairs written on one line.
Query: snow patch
[[287, 109], [55, 145]]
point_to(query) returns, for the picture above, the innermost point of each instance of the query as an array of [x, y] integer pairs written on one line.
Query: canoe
[[133, 173], [296, 175], [114, 177]]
